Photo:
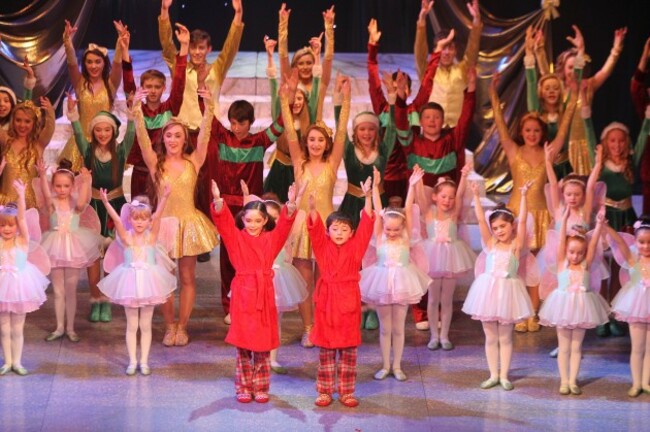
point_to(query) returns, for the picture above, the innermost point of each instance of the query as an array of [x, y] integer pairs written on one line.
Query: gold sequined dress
[[89, 105], [196, 234], [322, 186], [19, 166], [523, 172]]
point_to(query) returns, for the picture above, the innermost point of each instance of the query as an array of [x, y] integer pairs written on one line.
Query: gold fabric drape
[[501, 49]]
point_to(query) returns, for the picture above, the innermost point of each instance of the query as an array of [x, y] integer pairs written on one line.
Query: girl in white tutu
[[290, 287], [498, 297], [575, 304], [632, 303], [448, 256], [394, 282], [69, 244], [22, 285], [140, 282]]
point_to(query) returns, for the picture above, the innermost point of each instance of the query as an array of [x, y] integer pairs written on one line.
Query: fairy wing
[[168, 233], [114, 256]]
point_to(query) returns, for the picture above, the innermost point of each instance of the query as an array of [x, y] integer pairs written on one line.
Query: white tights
[[138, 317], [392, 319], [64, 281], [441, 295], [498, 348], [274, 352], [11, 328], [569, 354], [640, 355]]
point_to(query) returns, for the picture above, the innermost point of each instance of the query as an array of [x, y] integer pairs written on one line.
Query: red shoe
[[244, 397], [261, 397], [323, 400], [349, 400]]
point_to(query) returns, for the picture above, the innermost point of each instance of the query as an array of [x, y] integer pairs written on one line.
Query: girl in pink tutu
[[575, 304], [449, 257], [140, 282], [632, 303], [22, 285], [290, 287], [394, 282], [70, 246], [498, 296]]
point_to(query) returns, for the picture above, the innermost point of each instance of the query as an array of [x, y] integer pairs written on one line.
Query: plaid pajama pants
[[329, 369], [252, 371]]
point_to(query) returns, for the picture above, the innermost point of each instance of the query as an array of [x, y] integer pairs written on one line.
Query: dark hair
[[644, 219], [241, 110], [408, 78], [432, 106], [501, 212], [259, 206], [152, 74], [197, 36], [340, 217], [5, 120], [65, 168], [106, 72]]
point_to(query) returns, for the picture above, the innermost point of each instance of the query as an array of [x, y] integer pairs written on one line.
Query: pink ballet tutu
[[448, 259], [74, 249], [632, 303], [290, 288], [499, 299], [138, 284], [22, 291], [382, 285], [574, 310], [528, 269]]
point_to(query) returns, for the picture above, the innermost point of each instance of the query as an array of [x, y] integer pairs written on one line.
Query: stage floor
[[79, 387]]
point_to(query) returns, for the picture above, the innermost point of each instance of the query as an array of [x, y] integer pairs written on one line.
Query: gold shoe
[[533, 324], [170, 335], [182, 338], [521, 327]]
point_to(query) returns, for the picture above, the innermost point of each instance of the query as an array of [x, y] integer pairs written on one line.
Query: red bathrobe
[[337, 297], [252, 304]]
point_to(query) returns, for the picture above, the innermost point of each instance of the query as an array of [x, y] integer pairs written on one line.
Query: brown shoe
[[182, 338], [170, 335], [533, 324], [521, 327]]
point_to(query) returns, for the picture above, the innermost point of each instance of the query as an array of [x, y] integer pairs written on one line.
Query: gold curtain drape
[[501, 49]]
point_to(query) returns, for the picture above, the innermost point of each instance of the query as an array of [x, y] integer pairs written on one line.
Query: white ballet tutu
[[632, 303], [22, 291], [574, 309], [74, 249], [449, 259], [290, 288], [136, 285], [498, 299], [382, 285]]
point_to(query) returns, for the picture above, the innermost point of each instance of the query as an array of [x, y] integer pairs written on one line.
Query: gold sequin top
[[19, 166], [322, 186], [196, 234], [89, 105], [523, 172]]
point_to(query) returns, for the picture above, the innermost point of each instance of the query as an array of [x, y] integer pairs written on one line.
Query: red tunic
[[640, 100], [337, 298], [252, 296]]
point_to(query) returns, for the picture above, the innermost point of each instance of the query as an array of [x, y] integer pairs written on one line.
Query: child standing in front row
[[22, 285], [394, 281], [253, 240], [140, 283], [498, 296], [574, 305], [339, 251]]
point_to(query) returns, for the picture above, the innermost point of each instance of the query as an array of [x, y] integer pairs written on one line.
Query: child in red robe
[[338, 250]]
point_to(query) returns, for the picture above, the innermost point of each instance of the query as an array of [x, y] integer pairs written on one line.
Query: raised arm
[[376, 202], [198, 157], [70, 55], [47, 132], [115, 77], [415, 178], [595, 236], [483, 228], [328, 18], [601, 76], [640, 97], [85, 189], [554, 192], [148, 154], [22, 208], [523, 216], [120, 230], [561, 247], [41, 168], [621, 244], [342, 128], [642, 139], [169, 51], [508, 144], [460, 190], [591, 182], [283, 35], [290, 132], [231, 45], [374, 82], [565, 123], [470, 57], [73, 117], [532, 100], [29, 82], [420, 46]]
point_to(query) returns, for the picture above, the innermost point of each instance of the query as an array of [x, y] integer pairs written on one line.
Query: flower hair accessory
[[393, 213], [65, 171], [137, 204], [8, 210], [95, 47], [640, 225], [443, 180]]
